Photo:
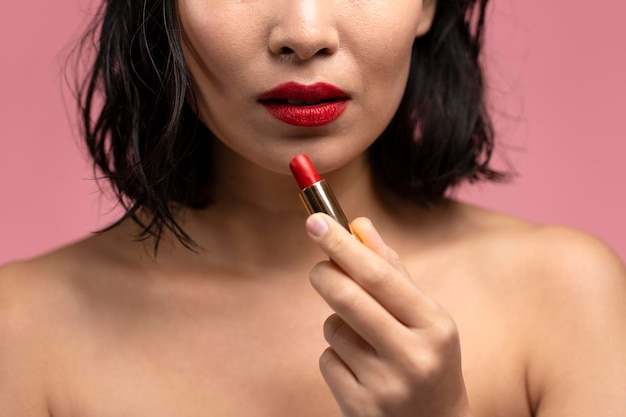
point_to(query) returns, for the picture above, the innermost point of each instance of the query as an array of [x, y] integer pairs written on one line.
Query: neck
[[256, 225], [257, 220]]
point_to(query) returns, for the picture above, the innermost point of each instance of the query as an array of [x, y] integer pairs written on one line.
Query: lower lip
[[307, 116]]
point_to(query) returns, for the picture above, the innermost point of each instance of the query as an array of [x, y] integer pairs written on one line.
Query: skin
[[459, 311], [272, 42]]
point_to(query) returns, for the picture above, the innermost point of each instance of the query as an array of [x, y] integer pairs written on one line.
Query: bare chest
[[248, 356], [228, 371], [175, 359]]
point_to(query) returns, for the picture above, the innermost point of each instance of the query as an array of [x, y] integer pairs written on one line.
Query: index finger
[[378, 277]]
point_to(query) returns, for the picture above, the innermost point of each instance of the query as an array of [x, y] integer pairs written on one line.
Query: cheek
[[207, 50], [388, 60], [385, 47], [216, 49]]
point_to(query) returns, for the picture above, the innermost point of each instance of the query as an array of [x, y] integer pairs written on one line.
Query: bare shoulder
[[28, 294], [572, 291], [37, 282], [558, 250], [42, 301], [560, 264], [61, 282]]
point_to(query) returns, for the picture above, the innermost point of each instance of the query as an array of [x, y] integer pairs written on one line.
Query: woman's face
[[275, 78]]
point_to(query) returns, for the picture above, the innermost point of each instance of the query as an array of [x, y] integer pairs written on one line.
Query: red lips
[[305, 105]]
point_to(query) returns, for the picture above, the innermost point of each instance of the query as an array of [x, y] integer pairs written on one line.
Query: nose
[[304, 28]]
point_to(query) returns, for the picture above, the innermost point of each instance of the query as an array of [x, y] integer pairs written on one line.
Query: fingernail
[[316, 226]]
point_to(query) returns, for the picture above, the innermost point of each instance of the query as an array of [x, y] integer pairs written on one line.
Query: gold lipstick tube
[[319, 198]]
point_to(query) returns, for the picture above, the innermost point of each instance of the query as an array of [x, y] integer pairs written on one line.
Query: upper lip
[[304, 94]]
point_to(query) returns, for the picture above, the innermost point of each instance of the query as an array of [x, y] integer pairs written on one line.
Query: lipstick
[[305, 105], [315, 193]]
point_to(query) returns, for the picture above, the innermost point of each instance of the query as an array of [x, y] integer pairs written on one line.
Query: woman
[[197, 302]]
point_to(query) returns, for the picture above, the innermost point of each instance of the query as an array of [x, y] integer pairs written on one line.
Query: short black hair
[[441, 135], [140, 127]]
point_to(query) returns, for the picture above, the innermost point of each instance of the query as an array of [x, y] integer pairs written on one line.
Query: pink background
[[557, 72]]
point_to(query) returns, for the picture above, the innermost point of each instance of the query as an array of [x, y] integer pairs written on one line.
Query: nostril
[[285, 50]]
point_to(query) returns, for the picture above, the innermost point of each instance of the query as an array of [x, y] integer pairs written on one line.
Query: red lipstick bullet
[[315, 193]]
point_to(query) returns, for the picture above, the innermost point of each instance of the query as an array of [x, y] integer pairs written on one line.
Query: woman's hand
[[393, 351]]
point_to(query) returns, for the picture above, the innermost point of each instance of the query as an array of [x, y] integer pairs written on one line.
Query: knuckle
[[445, 333], [426, 367], [326, 358], [320, 270], [440, 348], [391, 392], [332, 328], [359, 405], [336, 241], [378, 276], [345, 297]]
